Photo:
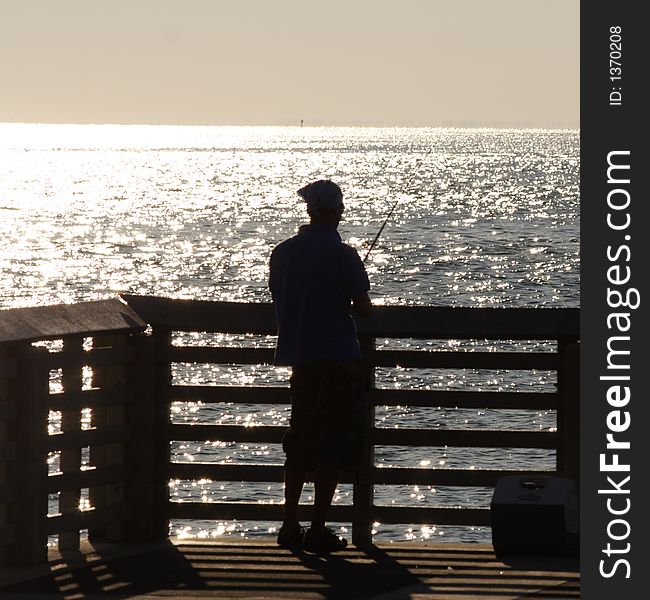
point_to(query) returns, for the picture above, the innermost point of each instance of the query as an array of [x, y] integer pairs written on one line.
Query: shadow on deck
[[259, 569]]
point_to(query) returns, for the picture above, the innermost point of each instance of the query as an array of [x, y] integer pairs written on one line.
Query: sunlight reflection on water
[[490, 218]]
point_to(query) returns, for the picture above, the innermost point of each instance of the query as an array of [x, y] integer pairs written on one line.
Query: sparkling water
[[482, 218]]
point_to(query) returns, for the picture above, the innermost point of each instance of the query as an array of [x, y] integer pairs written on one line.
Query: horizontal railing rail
[[418, 322]]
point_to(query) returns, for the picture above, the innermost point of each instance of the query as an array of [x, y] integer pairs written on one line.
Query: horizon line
[[314, 125]]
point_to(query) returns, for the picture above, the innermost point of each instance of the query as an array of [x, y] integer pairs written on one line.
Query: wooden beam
[[378, 397], [247, 511], [446, 477], [379, 436], [424, 359], [225, 393], [432, 322], [204, 315], [464, 399], [430, 515], [386, 358], [84, 319], [87, 478], [76, 520], [240, 356], [442, 322], [93, 398], [99, 357], [230, 433], [87, 437], [464, 438]]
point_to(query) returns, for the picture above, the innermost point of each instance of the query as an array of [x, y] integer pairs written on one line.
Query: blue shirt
[[313, 278]]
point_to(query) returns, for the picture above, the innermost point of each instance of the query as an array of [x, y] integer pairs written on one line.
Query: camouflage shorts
[[329, 415]]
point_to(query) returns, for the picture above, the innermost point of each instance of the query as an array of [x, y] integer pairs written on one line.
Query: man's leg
[[301, 391], [325, 481], [319, 538], [294, 480]]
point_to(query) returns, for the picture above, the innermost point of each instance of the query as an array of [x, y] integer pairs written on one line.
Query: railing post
[[568, 462], [7, 416], [25, 399], [161, 416], [100, 456], [70, 462], [141, 449], [363, 490]]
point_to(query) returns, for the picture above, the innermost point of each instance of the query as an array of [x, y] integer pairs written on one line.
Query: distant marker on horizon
[[301, 122]]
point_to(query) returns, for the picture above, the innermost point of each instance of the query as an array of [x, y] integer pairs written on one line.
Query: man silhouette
[[314, 280]]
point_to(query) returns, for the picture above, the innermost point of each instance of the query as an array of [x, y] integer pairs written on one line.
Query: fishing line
[[390, 213]]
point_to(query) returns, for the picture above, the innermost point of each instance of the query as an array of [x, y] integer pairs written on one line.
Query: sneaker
[[324, 542], [291, 535]]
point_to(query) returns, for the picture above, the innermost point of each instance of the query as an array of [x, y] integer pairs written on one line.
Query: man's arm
[[362, 305]]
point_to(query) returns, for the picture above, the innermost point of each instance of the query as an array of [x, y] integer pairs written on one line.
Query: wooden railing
[[97, 360], [560, 326], [132, 391]]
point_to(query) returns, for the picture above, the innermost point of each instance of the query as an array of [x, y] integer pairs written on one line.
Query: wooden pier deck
[[260, 569]]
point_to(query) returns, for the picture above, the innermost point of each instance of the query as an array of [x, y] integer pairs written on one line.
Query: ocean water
[[483, 218]]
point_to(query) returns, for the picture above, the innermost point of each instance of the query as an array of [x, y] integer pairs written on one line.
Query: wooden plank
[[8, 366], [379, 436], [25, 469], [378, 397], [463, 399], [428, 515], [442, 322], [160, 403], [142, 449], [87, 478], [98, 357], [7, 410], [240, 472], [378, 476], [465, 360], [433, 322], [204, 315], [386, 358], [568, 459], [65, 320], [70, 459], [363, 491], [464, 438], [7, 493], [8, 537], [447, 477], [229, 472], [7, 451], [104, 417], [248, 511], [74, 521], [226, 433], [241, 356], [87, 437], [236, 395], [115, 395], [231, 566]]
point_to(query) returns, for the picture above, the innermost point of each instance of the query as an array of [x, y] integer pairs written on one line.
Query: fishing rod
[[390, 213]]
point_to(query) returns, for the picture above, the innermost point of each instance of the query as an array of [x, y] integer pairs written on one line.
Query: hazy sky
[[503, 63]]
